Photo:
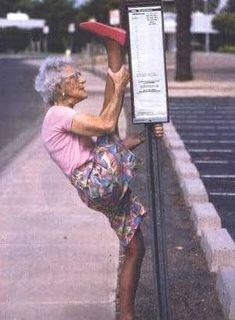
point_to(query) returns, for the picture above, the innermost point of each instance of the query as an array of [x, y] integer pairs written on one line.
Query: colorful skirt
[[103, 185]]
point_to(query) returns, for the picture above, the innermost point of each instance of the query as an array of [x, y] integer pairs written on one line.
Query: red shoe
[[104, 30]]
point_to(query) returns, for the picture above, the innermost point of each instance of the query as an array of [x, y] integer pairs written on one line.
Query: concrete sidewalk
[[58, 259]]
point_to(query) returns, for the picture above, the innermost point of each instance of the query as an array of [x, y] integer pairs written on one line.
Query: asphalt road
[[207, 127], [20, 107]]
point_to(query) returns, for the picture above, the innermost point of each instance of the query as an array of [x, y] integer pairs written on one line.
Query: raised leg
[[115, 38], [130, 275], [115, 61]]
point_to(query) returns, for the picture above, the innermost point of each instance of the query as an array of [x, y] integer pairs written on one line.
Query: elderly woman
[[99, 169]]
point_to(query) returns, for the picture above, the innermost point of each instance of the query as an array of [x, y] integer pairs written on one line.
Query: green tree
[[98, 9], [14, 39], [58, 15], [16, 5], [183, 35], [225, 24], [206, 6], [230, 7]]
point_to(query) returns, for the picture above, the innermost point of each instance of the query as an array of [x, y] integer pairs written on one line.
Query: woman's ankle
[[115, 55]]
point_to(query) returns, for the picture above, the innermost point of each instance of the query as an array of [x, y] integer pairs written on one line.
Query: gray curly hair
[[50, 74]]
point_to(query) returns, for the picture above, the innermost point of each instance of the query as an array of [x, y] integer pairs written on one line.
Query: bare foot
[[133, 140]]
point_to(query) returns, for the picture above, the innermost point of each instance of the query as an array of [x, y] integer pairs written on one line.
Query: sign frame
[[147, 119]]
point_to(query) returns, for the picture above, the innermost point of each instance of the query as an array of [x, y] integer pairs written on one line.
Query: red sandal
[[104, 30]]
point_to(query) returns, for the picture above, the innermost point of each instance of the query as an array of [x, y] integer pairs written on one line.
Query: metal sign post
[[144, 23]]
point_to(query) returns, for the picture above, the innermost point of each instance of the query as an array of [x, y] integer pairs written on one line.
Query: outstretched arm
[[106, 122]]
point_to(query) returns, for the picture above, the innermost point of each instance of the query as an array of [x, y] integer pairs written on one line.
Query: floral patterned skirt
[[103, 184]]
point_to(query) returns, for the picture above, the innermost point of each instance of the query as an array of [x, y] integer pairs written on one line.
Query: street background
[[192, 286], [61, 260]]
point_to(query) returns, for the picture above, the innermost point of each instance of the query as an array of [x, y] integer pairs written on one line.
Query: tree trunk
[[183, 35]]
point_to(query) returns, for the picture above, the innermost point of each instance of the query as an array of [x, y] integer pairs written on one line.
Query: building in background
[[18, 32], [22, 21], [203, 34]]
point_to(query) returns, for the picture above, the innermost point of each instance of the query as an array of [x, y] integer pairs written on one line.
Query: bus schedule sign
[[147, 62]]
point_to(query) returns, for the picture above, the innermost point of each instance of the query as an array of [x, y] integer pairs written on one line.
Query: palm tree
[[183, 35]]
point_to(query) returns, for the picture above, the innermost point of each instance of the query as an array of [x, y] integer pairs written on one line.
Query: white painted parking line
[[211, 150], [218, 176], [183, 115], [190, 114], [203, 115], [203, 110], [202, 127], [200, 108], [225, 194], [210, 141], [208, 121], [214, 161], [228, 134]]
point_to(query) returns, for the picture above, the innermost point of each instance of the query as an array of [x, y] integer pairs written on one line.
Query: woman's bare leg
[[115, 61], [130, 275]]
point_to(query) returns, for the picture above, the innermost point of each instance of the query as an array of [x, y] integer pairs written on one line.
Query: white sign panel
[[114, 17], [71, 28], [148, 64]]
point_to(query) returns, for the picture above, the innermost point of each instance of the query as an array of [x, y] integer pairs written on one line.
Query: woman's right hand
[[120, 78], [158, 130]]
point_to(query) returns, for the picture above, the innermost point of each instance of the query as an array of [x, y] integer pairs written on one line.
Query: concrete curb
[[225, 286], [217, 244], [205, 217], [219, 248]]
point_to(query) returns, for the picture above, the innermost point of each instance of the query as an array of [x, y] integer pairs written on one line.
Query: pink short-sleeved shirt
[[68, 150]]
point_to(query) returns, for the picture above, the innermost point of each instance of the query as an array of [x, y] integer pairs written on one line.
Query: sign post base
[[154, 165]]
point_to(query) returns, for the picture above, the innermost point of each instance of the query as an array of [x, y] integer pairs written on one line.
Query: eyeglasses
[[76, 75]]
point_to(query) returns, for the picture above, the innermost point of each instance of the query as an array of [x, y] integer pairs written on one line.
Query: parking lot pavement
[[21, 106], [207, 127]]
